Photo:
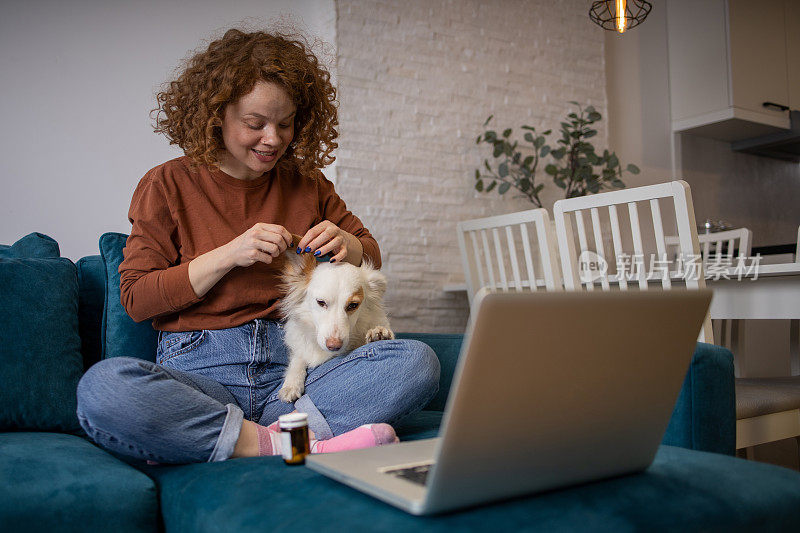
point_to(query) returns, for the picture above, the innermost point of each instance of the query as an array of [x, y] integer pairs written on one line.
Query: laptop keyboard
[[416, 474]]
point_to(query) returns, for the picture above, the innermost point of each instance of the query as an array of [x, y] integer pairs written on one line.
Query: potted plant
[[575, 165]]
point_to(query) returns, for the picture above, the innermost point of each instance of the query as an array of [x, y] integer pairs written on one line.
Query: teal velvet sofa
[[58, 318]]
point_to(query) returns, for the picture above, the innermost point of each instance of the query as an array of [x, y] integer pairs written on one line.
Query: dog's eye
[[322, 303], [352, 307]]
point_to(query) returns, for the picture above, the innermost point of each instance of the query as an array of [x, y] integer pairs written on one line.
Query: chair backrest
[[721, 246], [524, 239], [676, 193]]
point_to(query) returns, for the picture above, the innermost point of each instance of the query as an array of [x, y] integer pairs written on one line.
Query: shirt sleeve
[[333, 208], [152, 282]]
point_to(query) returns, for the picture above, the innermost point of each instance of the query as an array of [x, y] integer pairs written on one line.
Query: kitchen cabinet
[[727, 58]]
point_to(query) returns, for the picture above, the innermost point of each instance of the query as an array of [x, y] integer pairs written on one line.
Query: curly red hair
[[191, 108]]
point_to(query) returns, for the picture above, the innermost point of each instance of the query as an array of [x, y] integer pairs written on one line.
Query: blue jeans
[[189, 406]]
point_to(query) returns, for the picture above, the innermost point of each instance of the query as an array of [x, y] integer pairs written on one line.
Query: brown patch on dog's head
[[354, 301], [297, 269], [295, 276]]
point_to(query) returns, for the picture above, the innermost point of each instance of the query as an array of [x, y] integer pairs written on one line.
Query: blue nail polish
[[317, 253], [299, 250], [308, 249]]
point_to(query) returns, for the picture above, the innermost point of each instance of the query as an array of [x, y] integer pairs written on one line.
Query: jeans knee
[[422, 368], [101, 388]]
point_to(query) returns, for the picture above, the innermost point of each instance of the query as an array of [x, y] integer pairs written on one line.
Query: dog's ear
[[297, 269], [295, 277], [376, 281]]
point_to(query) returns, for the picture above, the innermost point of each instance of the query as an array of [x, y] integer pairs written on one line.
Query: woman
[[255, 117]]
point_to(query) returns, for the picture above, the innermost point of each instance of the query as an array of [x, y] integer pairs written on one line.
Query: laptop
[[551, 390]]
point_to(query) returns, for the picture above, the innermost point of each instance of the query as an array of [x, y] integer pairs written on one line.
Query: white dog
[[330, 309]]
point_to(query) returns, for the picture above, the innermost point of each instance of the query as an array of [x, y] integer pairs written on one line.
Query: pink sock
[[367, 436], [269, 440]]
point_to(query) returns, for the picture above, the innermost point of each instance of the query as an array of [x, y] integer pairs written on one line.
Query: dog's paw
[[379, 333], [290, 393]]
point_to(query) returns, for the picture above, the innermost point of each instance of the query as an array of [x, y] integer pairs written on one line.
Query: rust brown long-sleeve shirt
[[181, 210]]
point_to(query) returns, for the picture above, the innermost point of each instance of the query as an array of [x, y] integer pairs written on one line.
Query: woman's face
[[257, 129]]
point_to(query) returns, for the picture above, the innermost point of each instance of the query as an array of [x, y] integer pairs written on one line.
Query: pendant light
[[619, 15]]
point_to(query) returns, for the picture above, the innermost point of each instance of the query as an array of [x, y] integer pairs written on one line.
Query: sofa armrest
[[704, 417]]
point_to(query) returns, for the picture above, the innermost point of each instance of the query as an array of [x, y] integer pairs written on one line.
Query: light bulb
[[621, 22]]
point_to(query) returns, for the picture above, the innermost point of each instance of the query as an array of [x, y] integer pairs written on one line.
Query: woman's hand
[[263, 242], [327, 237]]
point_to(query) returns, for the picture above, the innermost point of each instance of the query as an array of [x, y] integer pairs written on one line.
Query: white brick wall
[[417, 79]]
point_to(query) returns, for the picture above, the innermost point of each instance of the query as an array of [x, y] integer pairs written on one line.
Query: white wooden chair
[[487, 244], [768, 409], [721, 247], [720, 250], [676, 193]]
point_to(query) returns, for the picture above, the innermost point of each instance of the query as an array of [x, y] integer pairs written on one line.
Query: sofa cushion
[[57, 482], [31, 245], [91, 296], [40, 357], [683, 490], [120, 335]]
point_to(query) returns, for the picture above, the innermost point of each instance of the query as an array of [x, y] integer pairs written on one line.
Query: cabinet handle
[[777, 106]]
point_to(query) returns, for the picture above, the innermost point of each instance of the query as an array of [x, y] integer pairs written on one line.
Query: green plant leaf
[[486, 164], [548, 132], [538, 188], [491, 186], [487, 120], [490, 136], [551, 169], [545, 151], [507, 132], [613, 161], [633, 169], [560, 183], [524, 184], [594, 116], [503, 188], [502, 170], [477, 174], [528, 137], [528, 128], [498, 149], [589, 109], [479, 185], [558, 153], [478, 140], [589, 133], [528, 160], [573, 102], [539, 142]]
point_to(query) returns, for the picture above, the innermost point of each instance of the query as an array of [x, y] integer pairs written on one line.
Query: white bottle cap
[[293, 420]]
